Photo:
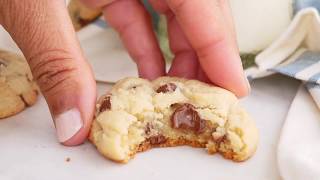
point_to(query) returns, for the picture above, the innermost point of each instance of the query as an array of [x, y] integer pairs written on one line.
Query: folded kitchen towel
[[298, 149], [296, 53]]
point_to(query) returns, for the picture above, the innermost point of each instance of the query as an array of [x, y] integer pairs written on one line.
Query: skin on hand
[[201, 36], [44, 33]]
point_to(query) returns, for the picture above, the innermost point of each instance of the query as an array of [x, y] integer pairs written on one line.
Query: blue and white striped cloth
[[306, 68]]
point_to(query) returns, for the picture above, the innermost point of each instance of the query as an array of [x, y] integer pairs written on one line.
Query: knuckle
[[52, 72], [210, 45], [8, 13], [221, 1], [137, 19], [126, 26]]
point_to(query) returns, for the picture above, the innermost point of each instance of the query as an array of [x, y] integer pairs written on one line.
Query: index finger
[[207, 27]]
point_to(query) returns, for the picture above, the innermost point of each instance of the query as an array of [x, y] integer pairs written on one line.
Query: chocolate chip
[[170, 87], [176, 105], [186, 117], [147, 129], [106, 104], [156, 140], [221, 139]]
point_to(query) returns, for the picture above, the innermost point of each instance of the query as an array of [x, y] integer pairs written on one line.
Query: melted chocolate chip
[[221, 139], [176, 105], [106, 104], [147, 129], [170, 87], [186, 117], [157, 140]]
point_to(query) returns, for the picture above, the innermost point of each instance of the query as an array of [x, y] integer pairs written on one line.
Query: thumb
[[44, 33]]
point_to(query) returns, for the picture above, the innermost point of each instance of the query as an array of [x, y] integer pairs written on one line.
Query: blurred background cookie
[[17, 88], [81, 15]]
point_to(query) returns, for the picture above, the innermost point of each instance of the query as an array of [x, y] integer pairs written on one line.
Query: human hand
[[43, 31], [201, 36], [204, 47]]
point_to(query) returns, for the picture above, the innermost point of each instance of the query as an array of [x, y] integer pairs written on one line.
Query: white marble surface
[[29, 149]]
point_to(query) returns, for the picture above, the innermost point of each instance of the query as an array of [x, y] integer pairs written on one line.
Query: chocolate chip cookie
[[137, 115], [81, 15], [17, 88]]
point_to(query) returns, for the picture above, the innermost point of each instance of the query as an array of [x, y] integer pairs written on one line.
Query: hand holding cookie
[[201, 36], [202, 39]]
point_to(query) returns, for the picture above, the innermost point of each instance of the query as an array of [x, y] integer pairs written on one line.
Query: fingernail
[[68, 124]]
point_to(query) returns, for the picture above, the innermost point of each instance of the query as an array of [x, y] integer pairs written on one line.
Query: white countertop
[[29, 149]]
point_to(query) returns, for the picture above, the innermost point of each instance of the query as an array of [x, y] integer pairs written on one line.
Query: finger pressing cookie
[[17, 88]]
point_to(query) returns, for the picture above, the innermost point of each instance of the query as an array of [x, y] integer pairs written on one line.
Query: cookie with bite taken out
[[137, 115]]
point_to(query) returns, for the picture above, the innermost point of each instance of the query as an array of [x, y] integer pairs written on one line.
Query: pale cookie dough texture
[[137, 115], [17, 88]]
